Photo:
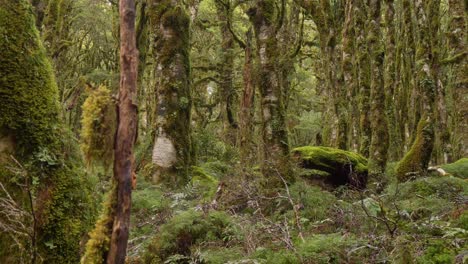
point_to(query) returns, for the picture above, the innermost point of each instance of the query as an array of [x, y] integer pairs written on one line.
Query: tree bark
[[390, 82], [172, 152], [363, 62], [379, 126], [126, 132], [419, 155], [274, 133], [247, 106], [226, 67], [457, 38]]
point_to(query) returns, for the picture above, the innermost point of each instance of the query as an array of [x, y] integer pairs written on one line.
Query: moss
[[184, 231], [171, 23], [98, 127], [458, 168], [342, 165], [28, 93], [417, 159], [99, 238], [30, 112]]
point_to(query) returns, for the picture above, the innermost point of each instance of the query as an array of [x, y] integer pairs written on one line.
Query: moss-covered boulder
[[343, 167], [458, 169]]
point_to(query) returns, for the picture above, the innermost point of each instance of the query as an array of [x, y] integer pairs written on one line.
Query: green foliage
[[279, 256], [315, 201], [208, 147], [438, 252], [458, 169], [184, 231], [201, 178], [221, 255], [320, 248], [98, 126], [330, 248]]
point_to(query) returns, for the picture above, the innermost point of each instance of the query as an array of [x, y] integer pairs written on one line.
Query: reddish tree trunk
[[126, 132]]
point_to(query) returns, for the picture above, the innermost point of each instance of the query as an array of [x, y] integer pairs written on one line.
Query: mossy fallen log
[[343, 167]]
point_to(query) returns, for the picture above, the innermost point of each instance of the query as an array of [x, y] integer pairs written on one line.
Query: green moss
[[28, 93], [171, 24], [339, 163], [30, 113], [184, 231], [99, 238], [417, 158], [458, 168], [98, 126]]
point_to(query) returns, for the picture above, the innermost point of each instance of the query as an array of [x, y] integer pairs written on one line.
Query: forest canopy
[[233, 131]]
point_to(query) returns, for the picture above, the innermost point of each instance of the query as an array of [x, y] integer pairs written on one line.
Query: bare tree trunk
[[247, 106], [126, 132]]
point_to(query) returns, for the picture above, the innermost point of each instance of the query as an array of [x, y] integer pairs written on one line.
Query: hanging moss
[[98, 244], [343, 166], [98, 127], [29, 113], [417, 159]]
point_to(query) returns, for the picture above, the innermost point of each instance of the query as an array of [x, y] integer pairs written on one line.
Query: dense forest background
[[264, 131]]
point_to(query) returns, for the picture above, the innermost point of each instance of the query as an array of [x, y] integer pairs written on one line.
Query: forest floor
[[420, 221]]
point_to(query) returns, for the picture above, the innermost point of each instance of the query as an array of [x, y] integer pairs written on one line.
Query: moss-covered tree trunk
[[379, 126], [417, 159], [29, 116], [264, 16], [363, 62], [172, 152], [457, 39], [390, 81], [408, 76], [226, 68]]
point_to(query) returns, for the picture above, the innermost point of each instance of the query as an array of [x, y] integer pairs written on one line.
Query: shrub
[[184, 231]]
